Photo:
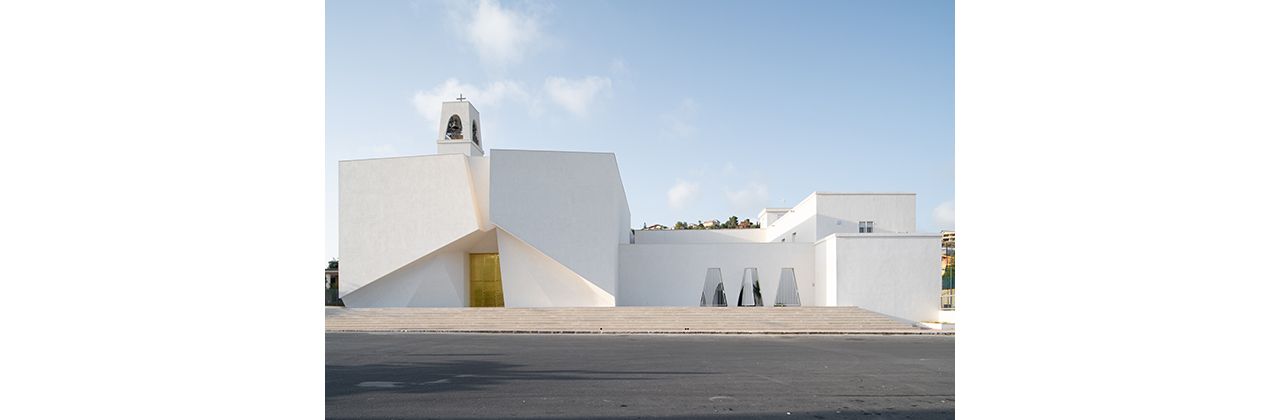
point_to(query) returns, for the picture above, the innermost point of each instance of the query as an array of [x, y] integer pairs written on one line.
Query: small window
[[865, 227]]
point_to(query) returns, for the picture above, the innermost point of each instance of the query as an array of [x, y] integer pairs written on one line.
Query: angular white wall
[[673, 274], [434, 281], [394, 211], [821, 214], [896, 275], [532, 279], [438, 279], [570, 206], [796, 225]]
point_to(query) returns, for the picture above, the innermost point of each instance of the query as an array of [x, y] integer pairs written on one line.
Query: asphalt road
[[606, 376]]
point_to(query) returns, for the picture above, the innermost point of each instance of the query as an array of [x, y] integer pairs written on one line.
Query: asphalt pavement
[[402, 376]]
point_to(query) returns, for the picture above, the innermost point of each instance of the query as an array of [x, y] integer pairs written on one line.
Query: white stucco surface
[[532, 279], [437, 279], [567, 205], [796, 225], [673, 274], [394, 211], [824, 273], [821, 214], [896, 275], [841, 212], [769, 215], [479, 166]]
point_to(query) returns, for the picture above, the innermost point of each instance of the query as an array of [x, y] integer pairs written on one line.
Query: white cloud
[[944, 216], [681, 194], [749, 199], [576, 96], [501, 36], [679, 123], [494, 94]]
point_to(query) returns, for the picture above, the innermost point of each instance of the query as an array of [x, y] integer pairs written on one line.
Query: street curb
[[643, 332]]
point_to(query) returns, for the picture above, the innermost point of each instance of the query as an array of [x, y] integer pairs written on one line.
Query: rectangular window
[[865, 227]]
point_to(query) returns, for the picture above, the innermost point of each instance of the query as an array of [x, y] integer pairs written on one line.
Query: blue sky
[[713, 108]]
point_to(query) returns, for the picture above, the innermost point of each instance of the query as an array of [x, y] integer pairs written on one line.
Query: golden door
[[486, 281]]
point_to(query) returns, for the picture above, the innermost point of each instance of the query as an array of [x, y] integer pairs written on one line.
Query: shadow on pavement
[[462, 375]]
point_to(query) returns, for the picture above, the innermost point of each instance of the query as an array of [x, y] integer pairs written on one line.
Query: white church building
[[523, 228]]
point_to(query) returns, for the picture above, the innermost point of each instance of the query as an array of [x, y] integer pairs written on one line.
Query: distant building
[[656, 227], [331, 284], [948, 270], [711, 223]]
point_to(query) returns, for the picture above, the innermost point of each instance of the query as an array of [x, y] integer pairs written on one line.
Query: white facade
[[559, 222]]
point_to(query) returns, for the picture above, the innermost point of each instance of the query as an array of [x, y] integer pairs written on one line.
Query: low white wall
[[707, 236], [896, 275], [673, 274]]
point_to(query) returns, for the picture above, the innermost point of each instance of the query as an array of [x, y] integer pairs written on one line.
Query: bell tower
[[459, 129]]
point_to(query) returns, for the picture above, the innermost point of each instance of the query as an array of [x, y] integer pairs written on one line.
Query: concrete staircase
[[620, 320]]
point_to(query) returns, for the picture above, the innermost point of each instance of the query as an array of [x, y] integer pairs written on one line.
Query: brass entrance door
[[486, 281]]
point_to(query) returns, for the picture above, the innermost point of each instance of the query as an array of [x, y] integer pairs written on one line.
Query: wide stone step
[[661, 320]]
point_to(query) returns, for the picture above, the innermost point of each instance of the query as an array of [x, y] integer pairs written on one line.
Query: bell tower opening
[[459, 129], [454, 130], [475, 132]]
